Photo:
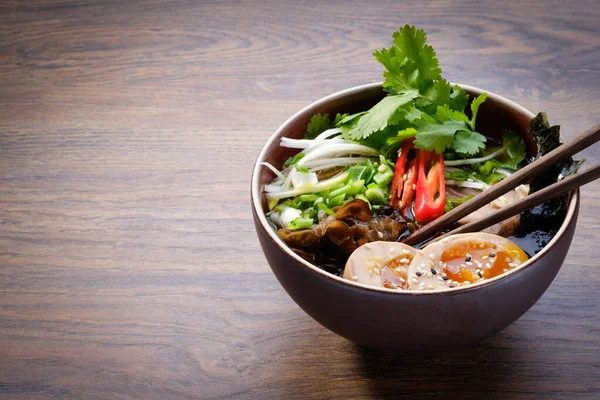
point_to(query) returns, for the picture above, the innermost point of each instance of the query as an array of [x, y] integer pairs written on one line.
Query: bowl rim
[[258, 211]]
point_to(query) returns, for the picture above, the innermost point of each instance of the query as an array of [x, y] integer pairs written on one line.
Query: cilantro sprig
[[420, 102]]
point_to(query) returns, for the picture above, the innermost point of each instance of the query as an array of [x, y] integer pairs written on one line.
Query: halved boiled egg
[[380, 264], [462, 259]]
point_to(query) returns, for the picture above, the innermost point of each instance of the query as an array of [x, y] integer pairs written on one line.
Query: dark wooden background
[[129, 266]]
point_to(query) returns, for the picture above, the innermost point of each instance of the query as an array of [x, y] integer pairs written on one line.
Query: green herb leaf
[[437, 93], [436, 136], [468, 143], [454, 202], [388, 111], [459, 98], [475, 107], [413, 114], [339, 118], [515, 151], [410, 63], [293, 160], [318, 124]]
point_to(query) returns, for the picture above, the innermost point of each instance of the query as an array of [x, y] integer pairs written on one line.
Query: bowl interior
[[495, 115]]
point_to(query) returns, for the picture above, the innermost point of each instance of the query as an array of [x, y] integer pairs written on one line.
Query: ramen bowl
[[406, 321]]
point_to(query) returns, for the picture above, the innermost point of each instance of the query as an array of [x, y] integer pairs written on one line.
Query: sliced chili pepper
[[408, 192], [397, 197], [431, 186]]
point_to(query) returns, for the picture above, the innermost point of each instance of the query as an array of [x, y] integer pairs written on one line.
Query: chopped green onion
[[323, 207], [282, 206], [309, 213], [336, 201], [369, 172], [383, 179], [376, 194], [486, 168], [301, 223], [357, 172]]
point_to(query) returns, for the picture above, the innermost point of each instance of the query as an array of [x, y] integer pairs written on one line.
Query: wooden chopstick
[[523, 175], [549, 192]]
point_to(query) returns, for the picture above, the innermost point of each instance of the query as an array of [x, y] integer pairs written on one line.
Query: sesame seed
[[429, 287], [405, 252], [393, 285], [422, 265], [433, 271], [429, 274], [451, 286], [505, 270], [414, 280], [355, 278], [468, 258], [484, 257], [402, 279], [414, 187], [404, 177], [492, 255], [404, 261], [418, 273], [512, 265], [480, 274], [507, 259], [444, 274], [488, 265], [377, 271], [431, 256], [463, 266], [467, 282], [380, 235], [469, 263], [393, 250], [445, 278]]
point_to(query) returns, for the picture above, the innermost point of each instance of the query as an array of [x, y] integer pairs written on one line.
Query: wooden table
[[129, 265]]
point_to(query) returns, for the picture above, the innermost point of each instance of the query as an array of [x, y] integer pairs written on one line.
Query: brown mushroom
[[301, 238], [356, 208], [338, 232]]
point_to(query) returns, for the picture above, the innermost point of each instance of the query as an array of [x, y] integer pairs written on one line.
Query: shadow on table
[[488, 369]]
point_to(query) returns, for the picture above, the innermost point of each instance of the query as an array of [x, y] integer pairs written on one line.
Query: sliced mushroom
[[301, 238], [357, 209]]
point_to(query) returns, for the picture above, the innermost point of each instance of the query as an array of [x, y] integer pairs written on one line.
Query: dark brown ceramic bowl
[[410, 321]]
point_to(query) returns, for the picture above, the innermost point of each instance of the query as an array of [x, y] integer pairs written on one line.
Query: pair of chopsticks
[[523, 175]]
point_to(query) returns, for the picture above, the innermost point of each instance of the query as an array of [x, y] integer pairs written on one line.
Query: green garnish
[[420, 98]]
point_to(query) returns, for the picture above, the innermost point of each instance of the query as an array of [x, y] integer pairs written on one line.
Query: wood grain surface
[[129, 265]]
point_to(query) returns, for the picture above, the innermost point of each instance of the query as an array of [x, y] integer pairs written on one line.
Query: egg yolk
[[469, 261], [396, 274]]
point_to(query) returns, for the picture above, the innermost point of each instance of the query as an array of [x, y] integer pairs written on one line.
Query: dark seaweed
[[549, 215]]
